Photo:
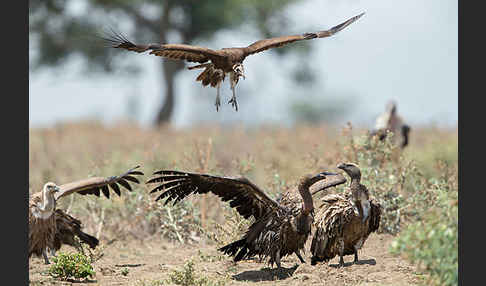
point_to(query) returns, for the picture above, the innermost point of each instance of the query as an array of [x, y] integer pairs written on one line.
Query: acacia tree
[[57, 31]]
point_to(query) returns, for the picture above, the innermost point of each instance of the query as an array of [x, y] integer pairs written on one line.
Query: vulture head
[[304, 191], [51, 188], [351, 169]]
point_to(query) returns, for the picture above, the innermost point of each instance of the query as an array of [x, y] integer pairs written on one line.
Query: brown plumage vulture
[[218, 63], [344, 222], [279, 229], [391, 121], [50, 227]]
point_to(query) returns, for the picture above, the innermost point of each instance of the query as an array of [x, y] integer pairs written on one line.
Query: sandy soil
[[149, 262]]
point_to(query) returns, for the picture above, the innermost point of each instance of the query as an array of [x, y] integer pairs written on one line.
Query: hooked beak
[[341, 166]]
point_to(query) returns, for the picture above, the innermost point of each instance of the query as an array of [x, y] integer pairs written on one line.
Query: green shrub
[[71, 265], [432, 243], [188, 277]]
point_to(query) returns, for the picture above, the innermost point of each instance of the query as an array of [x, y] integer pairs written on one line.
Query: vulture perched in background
[[390, 121], [344, 222], [279, 229], [50, 227], [218, 63]]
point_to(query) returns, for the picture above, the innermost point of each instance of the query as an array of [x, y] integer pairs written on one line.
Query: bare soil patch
[[149, 262]]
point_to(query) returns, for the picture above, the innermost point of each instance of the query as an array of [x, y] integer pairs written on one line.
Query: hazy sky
[[401, 50]]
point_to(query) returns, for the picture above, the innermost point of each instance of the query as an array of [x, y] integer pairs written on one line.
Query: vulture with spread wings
[[218, 63], [50, 227], [279, 228]]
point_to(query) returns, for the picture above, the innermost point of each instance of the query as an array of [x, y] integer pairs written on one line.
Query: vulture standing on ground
[[218, 63], [279, 229], [390, 121], [344, 222], [50, 227]]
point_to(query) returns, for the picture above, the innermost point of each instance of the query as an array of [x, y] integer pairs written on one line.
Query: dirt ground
[[151, 261]]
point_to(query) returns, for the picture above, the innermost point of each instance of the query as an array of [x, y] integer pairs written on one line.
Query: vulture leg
[[355, 256], [218, 100], [299, 256], [277, 259], [233, 98], [341, 252], [52, 251], [44, 254], [356, 247]]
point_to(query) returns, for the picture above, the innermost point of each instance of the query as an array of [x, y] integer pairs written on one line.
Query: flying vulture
[[279, 228], [218, 63], [344, 222], [50, 227]]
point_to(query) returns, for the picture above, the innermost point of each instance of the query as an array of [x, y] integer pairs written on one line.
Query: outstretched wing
[[246, 197], [93, 186], [172, 51], [266, 44]]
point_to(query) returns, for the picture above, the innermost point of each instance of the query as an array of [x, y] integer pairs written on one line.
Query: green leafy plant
[[71, 265], [188, 277], [433, 242]]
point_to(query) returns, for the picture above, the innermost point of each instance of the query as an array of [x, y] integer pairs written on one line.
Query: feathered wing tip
[[97, 185], [116, 39], [333, 30], [341, 26], [238, 249], [122, 180], [175, 184]]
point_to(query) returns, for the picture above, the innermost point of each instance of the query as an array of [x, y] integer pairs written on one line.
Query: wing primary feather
[[115, 188], [131, 179], [105, 191], [125, 184], [165, 179], [167, 184]]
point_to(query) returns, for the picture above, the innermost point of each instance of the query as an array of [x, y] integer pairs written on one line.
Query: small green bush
[[71, 265], [432, 243], [188, 277]]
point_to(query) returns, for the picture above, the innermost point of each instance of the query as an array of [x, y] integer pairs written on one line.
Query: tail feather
[[88, 239], [238, 248]]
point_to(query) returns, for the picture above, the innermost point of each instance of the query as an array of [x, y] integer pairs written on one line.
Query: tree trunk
[[170, 69]]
